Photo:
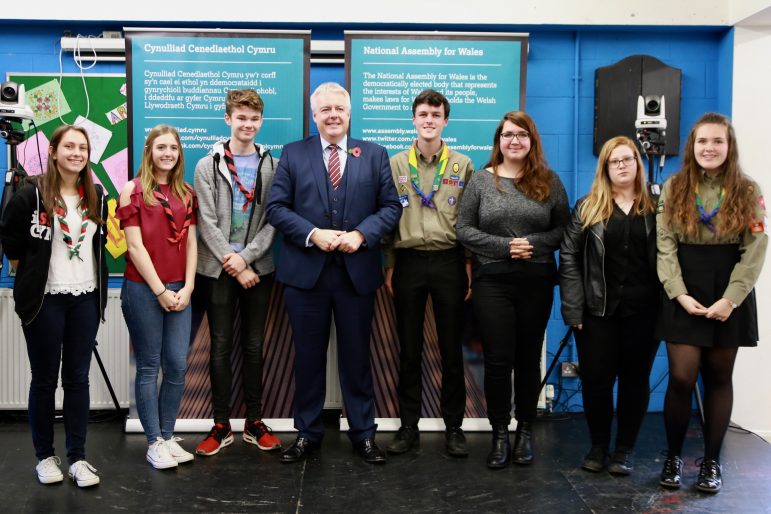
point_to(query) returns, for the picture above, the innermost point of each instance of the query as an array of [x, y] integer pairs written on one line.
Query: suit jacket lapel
[[353, 175], [319, 171]]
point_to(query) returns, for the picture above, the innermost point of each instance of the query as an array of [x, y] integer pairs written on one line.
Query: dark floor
[[244, 479]]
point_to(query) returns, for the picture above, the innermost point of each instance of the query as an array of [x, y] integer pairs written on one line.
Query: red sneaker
[[258, 433], [219, 437]]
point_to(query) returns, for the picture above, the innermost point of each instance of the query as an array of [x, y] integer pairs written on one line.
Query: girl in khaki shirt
[[711, 239]]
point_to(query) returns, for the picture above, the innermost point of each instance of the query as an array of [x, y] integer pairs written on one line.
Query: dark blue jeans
[[161, 341], [64, 331]]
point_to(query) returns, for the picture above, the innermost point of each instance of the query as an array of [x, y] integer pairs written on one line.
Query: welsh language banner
[[181, 79], [483, 77]]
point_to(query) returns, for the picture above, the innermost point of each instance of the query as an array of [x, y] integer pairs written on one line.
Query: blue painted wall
[[705, 56]]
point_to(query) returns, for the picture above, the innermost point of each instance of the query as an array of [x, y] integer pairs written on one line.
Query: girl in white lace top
[[54, 235]]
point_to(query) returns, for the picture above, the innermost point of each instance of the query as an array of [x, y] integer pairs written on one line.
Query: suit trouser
[[226, 297], [610, 347], [442, 275], [310, 313]]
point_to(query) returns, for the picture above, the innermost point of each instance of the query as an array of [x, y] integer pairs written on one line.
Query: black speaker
[[616, 89]]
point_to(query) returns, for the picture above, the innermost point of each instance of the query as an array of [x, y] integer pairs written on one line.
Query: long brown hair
[[597, 207], [176, 176], [535, 182], [739, 204], [49, 182]]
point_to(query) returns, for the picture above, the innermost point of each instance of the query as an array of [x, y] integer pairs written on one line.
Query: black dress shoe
[[300, 449], [523, 444], [670, 475], [369, 451], [595, 460], [500, 453], [455, 442], [710, 477], [620, 463], [407, 437]]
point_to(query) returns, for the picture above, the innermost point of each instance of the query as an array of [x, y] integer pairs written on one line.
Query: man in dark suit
[[333, 199]]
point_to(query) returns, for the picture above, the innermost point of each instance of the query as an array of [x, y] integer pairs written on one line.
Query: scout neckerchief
[[164, 201], [230, 163], [61, 210], [703, 216], [427, 199]]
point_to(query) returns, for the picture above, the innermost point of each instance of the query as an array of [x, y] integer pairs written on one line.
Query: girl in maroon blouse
[[157, 213]]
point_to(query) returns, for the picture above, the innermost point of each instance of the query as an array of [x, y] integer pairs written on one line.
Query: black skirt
[[706, 272]]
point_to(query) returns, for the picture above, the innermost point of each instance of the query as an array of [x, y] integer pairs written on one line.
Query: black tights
[[716, 365]]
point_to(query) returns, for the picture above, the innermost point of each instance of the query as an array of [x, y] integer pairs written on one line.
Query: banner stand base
[[430, 425], [283, 425]]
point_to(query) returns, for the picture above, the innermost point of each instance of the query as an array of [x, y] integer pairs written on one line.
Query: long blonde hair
[[597, 207], [177, 175]]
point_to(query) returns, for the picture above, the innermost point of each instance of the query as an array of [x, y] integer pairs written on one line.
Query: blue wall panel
[[704, 54]]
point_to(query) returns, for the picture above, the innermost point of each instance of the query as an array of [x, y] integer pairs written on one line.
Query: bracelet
[[159, 294]]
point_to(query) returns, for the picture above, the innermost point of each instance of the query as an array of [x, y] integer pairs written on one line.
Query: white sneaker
[[180, 454], [83, 474], [48, 471], [159, 456]]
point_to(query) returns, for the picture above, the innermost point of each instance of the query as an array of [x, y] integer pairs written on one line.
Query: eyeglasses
[[616, 163], [521, 136]]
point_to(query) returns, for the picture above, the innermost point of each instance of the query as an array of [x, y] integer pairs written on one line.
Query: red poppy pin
[[355, 151]]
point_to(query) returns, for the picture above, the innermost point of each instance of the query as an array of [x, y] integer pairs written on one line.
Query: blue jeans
[[161, 340], [63, 332]]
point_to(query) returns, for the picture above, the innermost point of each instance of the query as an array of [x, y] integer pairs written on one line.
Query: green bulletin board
[[100, 107]]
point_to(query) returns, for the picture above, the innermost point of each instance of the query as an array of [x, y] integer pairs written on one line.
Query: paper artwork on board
[[47, 102], [118, 114], [33, 154], [98, 136], [116, 167], [116, 240]]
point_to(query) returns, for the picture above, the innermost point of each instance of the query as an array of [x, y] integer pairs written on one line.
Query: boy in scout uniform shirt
[[424, 258]]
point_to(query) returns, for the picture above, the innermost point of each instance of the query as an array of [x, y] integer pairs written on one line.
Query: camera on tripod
[[13, 109], [651, 123], [651, 128], [13, 105]]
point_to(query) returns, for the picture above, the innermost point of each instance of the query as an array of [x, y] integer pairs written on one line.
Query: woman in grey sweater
[[512, 217]]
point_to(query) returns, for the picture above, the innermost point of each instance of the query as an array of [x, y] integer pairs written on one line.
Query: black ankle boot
[[523, 445], [710, 477], [673, 470], [499, 455]]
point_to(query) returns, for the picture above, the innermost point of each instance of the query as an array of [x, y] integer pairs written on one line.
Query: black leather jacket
[[582, 266]]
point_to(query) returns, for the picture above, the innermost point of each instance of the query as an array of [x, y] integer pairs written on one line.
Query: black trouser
[[512, 310], [610, 347], [442, 275], [225, 295]]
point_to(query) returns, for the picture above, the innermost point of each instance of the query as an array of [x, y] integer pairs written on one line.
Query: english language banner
[[482, 76]]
